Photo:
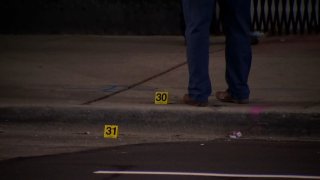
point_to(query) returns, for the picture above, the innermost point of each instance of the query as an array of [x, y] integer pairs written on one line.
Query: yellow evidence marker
[[161, 98], [111, 131]]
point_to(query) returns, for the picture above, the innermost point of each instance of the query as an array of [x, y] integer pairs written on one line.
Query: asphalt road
[[227, 157]]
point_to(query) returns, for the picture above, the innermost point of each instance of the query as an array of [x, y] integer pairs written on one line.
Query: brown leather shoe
[[224, 96], [187, 100]]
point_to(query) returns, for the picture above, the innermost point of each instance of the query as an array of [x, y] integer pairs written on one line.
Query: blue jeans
[[237, 21]]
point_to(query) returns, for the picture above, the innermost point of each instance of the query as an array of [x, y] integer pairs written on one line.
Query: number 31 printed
[[111, 131], [161, 98]]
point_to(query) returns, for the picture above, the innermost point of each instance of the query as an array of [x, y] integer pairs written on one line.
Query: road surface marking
[[207, 174]]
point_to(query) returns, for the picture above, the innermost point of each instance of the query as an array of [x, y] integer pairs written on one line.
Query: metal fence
[[280, 16]]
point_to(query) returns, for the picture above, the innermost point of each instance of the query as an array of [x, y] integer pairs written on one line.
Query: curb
[[217, 121]]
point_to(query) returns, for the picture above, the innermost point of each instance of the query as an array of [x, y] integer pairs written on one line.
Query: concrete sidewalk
[[48, 79]]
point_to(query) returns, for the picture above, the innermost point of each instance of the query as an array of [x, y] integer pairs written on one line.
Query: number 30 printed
[[161, 98]]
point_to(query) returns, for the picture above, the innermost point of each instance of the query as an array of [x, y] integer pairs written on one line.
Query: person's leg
[[237, 22], [198, 15]]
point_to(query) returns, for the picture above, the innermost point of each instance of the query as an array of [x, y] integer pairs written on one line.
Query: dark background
[[115, 17], [144, 17]]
